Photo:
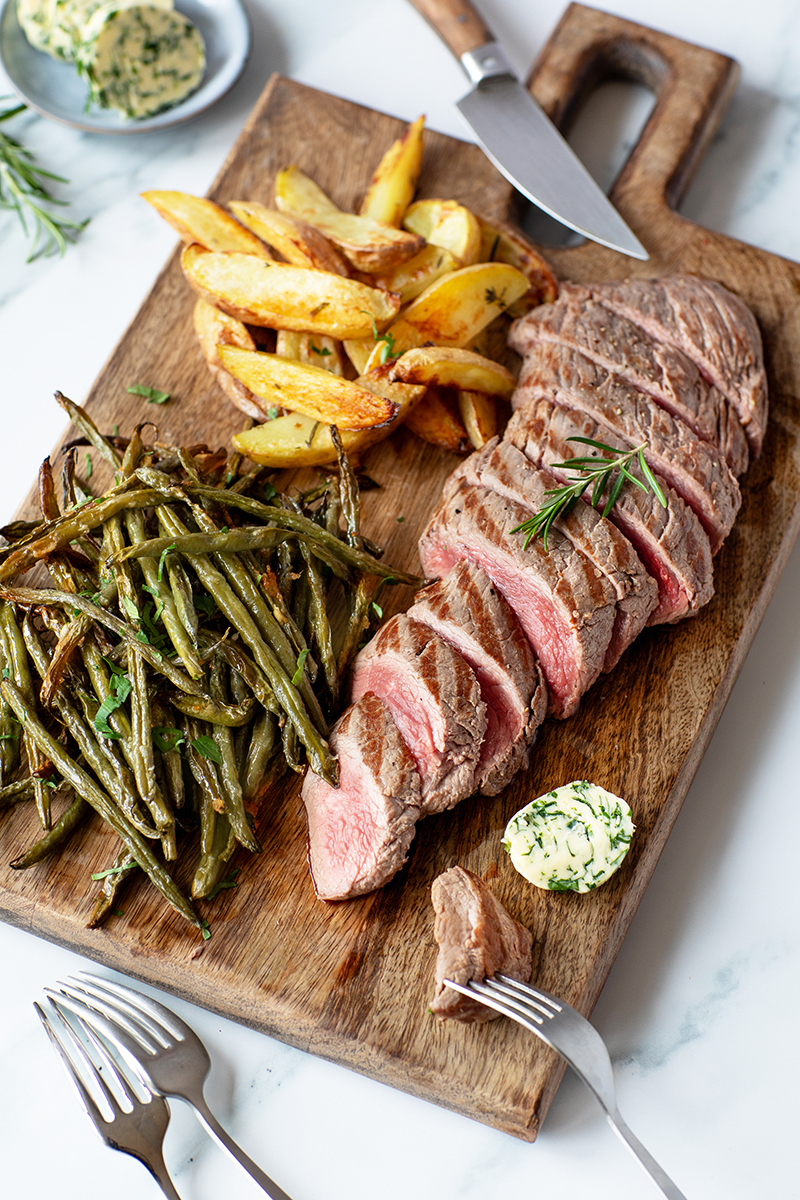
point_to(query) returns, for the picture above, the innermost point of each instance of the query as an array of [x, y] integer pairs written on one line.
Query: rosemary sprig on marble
[[23, 190], [598, 472]]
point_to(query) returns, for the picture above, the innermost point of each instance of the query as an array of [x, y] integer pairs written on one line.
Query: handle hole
[[605, 130]]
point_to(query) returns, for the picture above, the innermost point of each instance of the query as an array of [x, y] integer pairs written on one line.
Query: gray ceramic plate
[[55, 90]]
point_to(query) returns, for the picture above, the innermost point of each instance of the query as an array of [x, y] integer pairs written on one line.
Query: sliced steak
[[694, 469], [660, 370], [435, 701], [564, 604], [469, 612], [503, 468], [669, 541], [359, 833], [712, 326], [477, 939]]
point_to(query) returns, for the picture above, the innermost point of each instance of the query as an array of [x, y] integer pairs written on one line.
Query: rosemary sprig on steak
[[597, 471]]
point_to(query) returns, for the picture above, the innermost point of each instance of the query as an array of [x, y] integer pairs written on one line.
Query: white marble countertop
[[699, 1011]]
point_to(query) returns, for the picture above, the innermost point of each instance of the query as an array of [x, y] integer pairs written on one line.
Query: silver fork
[[161, 1048], [139, 1130], [571, 1035]]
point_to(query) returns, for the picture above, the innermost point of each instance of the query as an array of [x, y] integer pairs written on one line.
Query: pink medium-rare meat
[[469, 612], [662, 371], [712, 326], [477, 939], [669, 541], [435, 701], [359, 833], [694, 469], [566, 607], [503, 468]]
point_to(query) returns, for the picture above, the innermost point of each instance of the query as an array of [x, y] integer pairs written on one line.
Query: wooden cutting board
[[352, 981]]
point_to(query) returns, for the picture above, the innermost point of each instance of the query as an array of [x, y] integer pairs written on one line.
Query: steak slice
[[435, 701], [566, 607], [712, 326], [477, 939], [468, 611], [503, 468], [669, 541], [359, 833], [694, 469], [662, 371]]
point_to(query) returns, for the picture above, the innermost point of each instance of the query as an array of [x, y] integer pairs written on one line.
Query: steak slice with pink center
[[669, 541], [712, 326], [694, 469], [503, 468], [477, 939], [564, 604], [662, 371], [469, 612], [359, 833], [435, 702]]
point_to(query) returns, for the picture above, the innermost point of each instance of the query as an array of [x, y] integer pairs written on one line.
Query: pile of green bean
[[184, 657]]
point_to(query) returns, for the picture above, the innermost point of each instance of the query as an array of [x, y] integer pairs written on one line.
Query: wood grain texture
[[352, 981]]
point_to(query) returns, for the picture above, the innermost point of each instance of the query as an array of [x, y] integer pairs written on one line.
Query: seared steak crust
[[477, 939], [435, 701], [712, 326], [360, 832], [503, 468], [564, 604], [693, 468], [467, 610], [662, 371], [670, 541]]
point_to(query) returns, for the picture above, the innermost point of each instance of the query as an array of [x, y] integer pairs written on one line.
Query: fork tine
[[135, 1002], [89, 1003], [130, 1048], [84, 1095], [547, 1004], [121, 1011], [495, 998]]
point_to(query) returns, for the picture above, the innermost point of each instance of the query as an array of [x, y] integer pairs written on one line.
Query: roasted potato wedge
[[214, 328], [199, 220], [446, 366], [479, 415], [311, 348], [309, 390], [297, 241], [297, 441], [369, 245], [454, 309], [392, 187], [411, 278], [282, 296], [501, 243], [448, 224], [436, 419]]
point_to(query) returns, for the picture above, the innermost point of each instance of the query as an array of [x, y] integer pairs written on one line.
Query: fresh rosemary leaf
[[23, 190], [597, 472]]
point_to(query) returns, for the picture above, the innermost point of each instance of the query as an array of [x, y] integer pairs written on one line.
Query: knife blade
[[519, 138]]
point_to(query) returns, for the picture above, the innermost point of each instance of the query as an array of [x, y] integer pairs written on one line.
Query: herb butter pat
[[571, 839], [137, 58]]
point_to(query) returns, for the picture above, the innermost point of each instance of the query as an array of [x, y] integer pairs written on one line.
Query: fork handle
[[219, 1134], [656, 1173], [157, 1168]]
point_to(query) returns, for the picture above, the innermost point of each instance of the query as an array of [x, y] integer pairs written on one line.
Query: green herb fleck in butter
[[572, 839]]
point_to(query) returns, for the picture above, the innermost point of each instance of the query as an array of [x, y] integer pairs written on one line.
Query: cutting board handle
[[692, 86]]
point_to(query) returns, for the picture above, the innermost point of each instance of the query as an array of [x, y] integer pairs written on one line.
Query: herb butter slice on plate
[[54, 89], [571, 839]]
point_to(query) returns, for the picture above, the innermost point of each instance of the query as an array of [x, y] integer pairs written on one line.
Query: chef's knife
[[519, 138]]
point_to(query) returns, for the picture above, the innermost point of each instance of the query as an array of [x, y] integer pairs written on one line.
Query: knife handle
[[456, 22]]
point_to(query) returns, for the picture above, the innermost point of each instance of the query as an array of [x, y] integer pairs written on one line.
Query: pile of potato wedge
[[309, 316]]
